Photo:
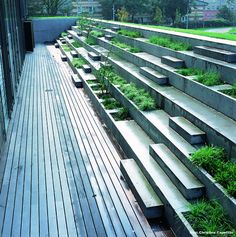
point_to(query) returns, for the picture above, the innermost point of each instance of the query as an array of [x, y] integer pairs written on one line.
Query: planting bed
[[179, 135]]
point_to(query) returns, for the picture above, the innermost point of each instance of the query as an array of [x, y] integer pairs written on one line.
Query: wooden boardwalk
[[59, 170]]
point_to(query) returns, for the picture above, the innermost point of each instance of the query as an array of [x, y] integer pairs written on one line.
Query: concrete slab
[[148, 200], [187, 130], [172, 62], [180, 175]]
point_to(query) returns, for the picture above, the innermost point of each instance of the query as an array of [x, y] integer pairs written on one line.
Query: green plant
[[131, 34], [111, 104], [125, 46], [230, 92], [122, 114], [64, 34], [90, 40], [76, 44], [208, 216], [209, 79], [190, 71], [169, 43], [123, 15], [78, 62], [97, 33], [213, 160], [66, 48]]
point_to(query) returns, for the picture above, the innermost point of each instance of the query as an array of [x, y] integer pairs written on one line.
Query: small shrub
[[190, 71], [111, 104], [213, 160], [76, 44], [90, 40], [64, 34], [122, 114], [230, 92], [169, 43], [97, 33], [66, 48], [78, 62], [208, 216], [209, 79], [131, 34]]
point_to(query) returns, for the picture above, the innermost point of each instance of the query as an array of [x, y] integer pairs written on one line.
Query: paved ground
[[59, 170], [220, 30]]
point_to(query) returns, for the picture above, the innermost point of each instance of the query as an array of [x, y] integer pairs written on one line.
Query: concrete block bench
[[94, 56], [76, 81], [86, 68], [215, 53], [154, 75], [115, 28], [63, 58], [74, 54], [172, 62], [56, 45], [109, 37]]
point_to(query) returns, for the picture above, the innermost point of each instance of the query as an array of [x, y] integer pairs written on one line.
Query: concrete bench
[[76, 81], [148, 200], [94, 56], [154, 75], [63, 58], [63, 41], [56, 45], [70, 37], [109, 37], [187, 130], [74, 54], [115, 28], [215, 53], [172, 62]]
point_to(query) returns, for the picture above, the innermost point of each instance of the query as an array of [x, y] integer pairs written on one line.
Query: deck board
[[59, 169]]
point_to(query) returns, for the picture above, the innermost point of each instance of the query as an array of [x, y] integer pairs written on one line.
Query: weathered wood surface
[[59, 170]]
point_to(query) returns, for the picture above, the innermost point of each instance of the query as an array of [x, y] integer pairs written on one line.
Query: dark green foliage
[[64, 34], [169, 43], [190, 71], [139, 96], [230, 92], [213, 160], [122, 114], [129, 33], [66, 48], [125, 46], [78, 62], [111, 104], [209, 79], [97, 33], [76, 44], [208, 216], [90, 40]]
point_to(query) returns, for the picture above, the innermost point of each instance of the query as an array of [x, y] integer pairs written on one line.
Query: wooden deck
[[59, 170]]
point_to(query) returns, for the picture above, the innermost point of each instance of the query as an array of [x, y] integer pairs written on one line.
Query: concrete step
[[94, 56], [115, 28], [146, 197], [136, 145], [172, 62], [183, 179], [63, 58], [215, 53], [76, 81], [74, 54], [86, 68], [187, 130], [109, 37], [154, 75]]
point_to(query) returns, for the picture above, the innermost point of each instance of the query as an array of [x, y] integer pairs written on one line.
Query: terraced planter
[[214, 190]]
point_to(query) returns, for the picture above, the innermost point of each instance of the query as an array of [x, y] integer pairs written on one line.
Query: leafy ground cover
[[66, 48], [230, 92], [125, 46], [78, 62], [208, 217], [169, 43], [213, 160], [90, 40], [76, 44], [97, 33], [129, 33]]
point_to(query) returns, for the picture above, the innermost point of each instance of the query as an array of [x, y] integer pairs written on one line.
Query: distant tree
[[225, 13], [54, 6], [177, 16], [158, 17], [122, 15]]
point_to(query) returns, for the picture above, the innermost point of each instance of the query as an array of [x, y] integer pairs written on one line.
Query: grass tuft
[[209, 79], [208, 216], [125, 46], [169, 43], [213, 160], [78, 62], [97, 33], [131, 34], [230, 92], [91, 41], [66, 48], [76, 44]]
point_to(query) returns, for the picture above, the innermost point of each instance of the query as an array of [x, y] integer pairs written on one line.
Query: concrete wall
[[47, 30]]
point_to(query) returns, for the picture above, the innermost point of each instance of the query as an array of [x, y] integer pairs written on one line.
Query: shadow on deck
[[59, 170]]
